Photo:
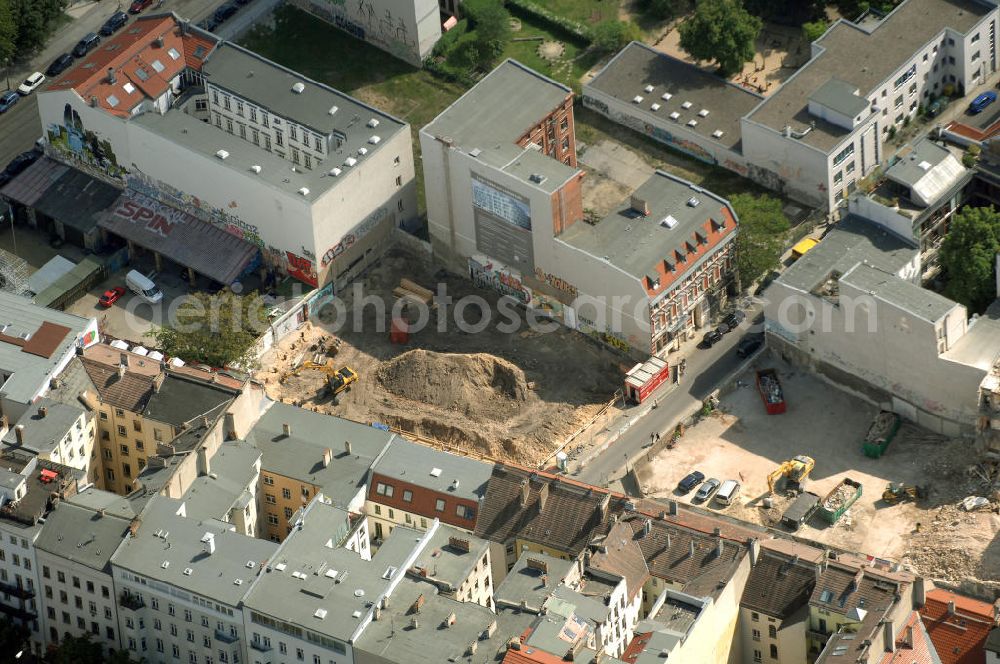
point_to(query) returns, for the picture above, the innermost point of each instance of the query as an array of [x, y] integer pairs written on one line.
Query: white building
[[205, 132], [408, 29], [57, 432]]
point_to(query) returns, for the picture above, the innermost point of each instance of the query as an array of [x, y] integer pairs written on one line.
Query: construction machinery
[[897, 492], [795, 471], [338, 380]]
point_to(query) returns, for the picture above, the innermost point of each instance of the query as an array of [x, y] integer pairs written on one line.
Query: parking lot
[[740, 441]]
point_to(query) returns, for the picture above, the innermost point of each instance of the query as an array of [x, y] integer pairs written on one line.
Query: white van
[[728, 492], [142, 286]]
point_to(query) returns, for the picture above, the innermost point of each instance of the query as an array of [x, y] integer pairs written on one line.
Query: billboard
[[503, 223]]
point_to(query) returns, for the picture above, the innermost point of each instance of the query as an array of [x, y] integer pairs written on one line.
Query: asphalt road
[[706, 368], [19, 127]]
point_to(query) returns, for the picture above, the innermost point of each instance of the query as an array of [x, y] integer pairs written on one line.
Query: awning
[[178, 236], [29, 186], [802, 246]]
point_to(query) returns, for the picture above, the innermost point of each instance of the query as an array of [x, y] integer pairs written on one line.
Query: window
[[399, 205], [121, 430], [215, 97], [974, 39], [774, 651], [110, 474], [299, 655], [279, 138], [45, 572], [395, 161], [564, 124], [772, 632], [157, 435], [295, 155], [755, 634], [119, 412], [286, 494], [272, 519], [384, 490], [439, 505], [229, 125], [243, 131], [288, 513], [126, 470], [267, 142], [268, 480], [269, 498], [465, 512], [318, 143], [104, 416], [407, 496], [293, 134], [239, 108], [399, 180], [754, 616], [226, 102], [307, 160], [187, 615], [263, 119], [378, 510], [757, 656], [844, 154], [838, 177], [255, 136]]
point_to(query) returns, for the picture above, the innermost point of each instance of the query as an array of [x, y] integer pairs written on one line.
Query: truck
[[839, 500], [800, 510], [770, 391], [880, 434]]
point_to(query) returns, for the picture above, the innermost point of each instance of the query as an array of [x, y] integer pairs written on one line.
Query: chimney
[[717, 532], [951, 608], [450, 620], [888, 636], [535, 564], [111, 75], [720, 547], [753, 544], [204, 463], [42, 411], [459, 544], [525, 490], [920, 593], [347, 446], [123, 360], [693, 548], [209, 541], [377, 613], [647, 527], [672, 507], [327, 456], [856, 581], [545, 580], [543, 495], [414, 623], [472, 648], [491, 629], [286, 429], [121, 371], [19, 433]]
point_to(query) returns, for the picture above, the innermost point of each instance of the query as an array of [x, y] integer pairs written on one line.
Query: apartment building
[[58, 432], [959, 627], [458, 564], [74, 551], [824, 129], [180, 583], [207, 137], [36, 343], [227, 486], [413, 485], [305, 453]]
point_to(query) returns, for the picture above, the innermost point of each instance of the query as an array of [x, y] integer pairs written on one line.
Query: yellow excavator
[[338, 380], [795, 471], [896, 493]]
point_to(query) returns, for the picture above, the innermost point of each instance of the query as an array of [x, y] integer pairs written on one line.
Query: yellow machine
[[337, 379], [795, 471], [895, 493]]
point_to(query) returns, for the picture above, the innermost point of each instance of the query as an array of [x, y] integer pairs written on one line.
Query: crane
[[795, 471]]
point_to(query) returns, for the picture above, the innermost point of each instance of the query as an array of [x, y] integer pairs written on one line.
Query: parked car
[[60, 64], [31, 83], [7, 100], [18, 164], [711, 338], [734, 318], [111, 296], [690, 481], [139, 5], [86, 45], [728, 492], [707, 489], [749, 344], [114, 23], [935, 107], [209, 24], [226, 11], [723, 328], [982, 101]]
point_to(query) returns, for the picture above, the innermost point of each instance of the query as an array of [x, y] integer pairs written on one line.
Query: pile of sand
[[479, 385]]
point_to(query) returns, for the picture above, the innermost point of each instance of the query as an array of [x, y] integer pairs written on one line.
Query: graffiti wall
[[79, 144]]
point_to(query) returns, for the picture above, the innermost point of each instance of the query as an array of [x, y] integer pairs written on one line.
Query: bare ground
[[507, 395]]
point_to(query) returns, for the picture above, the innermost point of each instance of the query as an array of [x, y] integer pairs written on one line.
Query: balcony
[[130, 601], [16, 591], [260, 646], [225, 637]]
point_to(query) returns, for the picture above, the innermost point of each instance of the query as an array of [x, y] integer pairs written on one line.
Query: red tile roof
[[913, 645], [145, 57], [958, 638], [692, 250]]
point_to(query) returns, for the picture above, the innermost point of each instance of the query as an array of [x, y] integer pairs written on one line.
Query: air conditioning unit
[[350, 161], [335, 172], [304, 191], [373, 123], [692, 123], [675, 116], [333, 110], [299, 87], [222, 154], [374, 140], [255, 168], [362, 151], [718, 133]]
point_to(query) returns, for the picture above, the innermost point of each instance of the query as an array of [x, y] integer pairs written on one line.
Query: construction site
[[498, 394], [925, 500]]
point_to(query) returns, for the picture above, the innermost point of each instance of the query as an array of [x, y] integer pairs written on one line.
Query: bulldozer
[[897, 492], [795, 471], [338, 380]]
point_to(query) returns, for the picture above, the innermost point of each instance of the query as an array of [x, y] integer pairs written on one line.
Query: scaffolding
[[13, 273]]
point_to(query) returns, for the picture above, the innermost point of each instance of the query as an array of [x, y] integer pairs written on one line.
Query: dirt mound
[[481, 386]]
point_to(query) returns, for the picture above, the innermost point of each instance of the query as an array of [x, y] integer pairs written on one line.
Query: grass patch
[[589, 12], [326, 54], [576, 59]]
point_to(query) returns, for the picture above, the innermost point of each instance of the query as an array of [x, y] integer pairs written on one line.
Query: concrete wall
[[801, 168], [408, 29], [789, 639]]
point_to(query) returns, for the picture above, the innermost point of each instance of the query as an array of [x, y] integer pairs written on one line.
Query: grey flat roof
[[853, 240], [189, 566], [863, 59], [524, 583], [82, 535], [99, 499], [908, 171], [909, 297], [300, 454], [528, 161], [268, 84], [636, 244], [980, 346], [928, 170], [448, 563], [181, 399], [28, 372], [43, 434], [498, 110], [411, 462], [233, 470], [841, 97], [583, 605], [638, 65]]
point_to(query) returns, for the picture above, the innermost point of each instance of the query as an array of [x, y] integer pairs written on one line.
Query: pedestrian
[[657, 437], [652, 438]]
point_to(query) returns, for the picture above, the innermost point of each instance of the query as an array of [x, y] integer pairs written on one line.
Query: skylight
[[129, 88], [142, 74], [174, 55], [158, 66], [112, 101]]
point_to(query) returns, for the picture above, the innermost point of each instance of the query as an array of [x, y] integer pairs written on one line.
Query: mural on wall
[[364, 20], [558, 283], [75, 142], [301, 268], [487, 274], [354, 235]]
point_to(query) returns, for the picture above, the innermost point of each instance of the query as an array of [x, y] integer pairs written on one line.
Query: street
[[705, 370]]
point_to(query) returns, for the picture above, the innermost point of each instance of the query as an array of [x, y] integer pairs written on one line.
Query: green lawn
[[588, 12], [574, 63], [322, 52]]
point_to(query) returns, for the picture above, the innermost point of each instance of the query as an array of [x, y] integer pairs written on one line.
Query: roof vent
[[654, 107], [648, 88], [692, 123], [255, 168], [222, 154], [686, 105], [675, 116], [165, 564], [703, 112], [668, 222], [373, 123], [362, 151], [304, 191], [250, 564], [693, 202], [299, 87], [333, 110], [188, 571], [637, 99], [435, 472], [475, 152], [330, 574], [718, 133], [335, 172], [537, 178], [666, 96], [350, 161], [319, 613], [924, 165], [280, 567], [374, 140], [237, 582]]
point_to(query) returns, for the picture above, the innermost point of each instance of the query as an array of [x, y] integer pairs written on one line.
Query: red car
[[139, 5], [111, 296]]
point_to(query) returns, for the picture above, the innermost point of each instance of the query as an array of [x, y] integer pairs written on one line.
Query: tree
[[84, 650], [614, 35], [968, 255], [8, 32], [813, 30], [721, 30], [218, 330], [787, 12], [761, 238], [13, 636], [660, 10]]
